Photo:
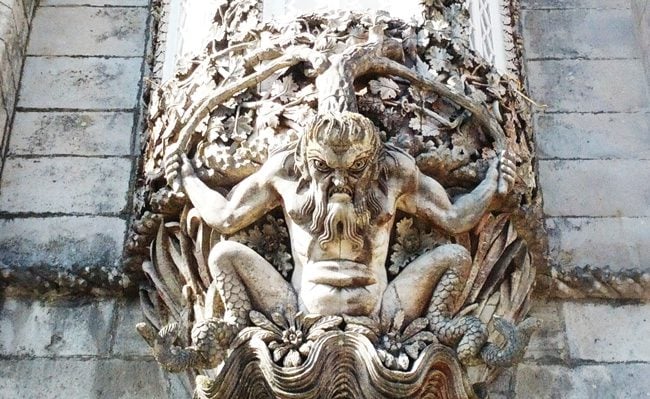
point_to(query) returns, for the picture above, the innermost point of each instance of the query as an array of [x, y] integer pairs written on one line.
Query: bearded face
[[338, 157]]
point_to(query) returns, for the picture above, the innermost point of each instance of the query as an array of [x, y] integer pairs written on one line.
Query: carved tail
[[517, 338], [467, 333], [210, 341]]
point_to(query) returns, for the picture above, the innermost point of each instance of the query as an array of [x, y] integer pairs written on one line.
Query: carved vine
[[232, 108]]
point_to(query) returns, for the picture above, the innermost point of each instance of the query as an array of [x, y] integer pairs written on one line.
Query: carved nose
[[338, 180]]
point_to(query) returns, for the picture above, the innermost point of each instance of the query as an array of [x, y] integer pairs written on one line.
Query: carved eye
[[359, 165], [321, 165]]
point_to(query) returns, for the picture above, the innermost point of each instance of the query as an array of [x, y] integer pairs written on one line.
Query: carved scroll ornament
[[331, 207]]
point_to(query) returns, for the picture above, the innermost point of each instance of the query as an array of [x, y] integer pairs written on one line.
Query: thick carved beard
[[336, 220], [342, 223]]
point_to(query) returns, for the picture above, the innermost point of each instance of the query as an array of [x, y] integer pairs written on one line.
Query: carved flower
[[411, 243], [396, 348], [290, 336], [269, 241]]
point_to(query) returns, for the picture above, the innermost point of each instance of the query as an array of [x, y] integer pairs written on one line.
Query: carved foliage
[[430, 96]]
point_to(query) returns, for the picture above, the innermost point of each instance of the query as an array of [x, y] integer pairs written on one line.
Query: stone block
[[88, 31], [81, 378], [569, 4], [592, 136], [65, 185], [595, 187], [621, 243], [80, 83], [588, 85], [127, 340], [641, 12], [178, 385], [604, 333], [592, 33], [502, 385], [8, 89], [612, 381], [34, 328], [71, 133], [141, 3], [61, 242], [22, 25], [4, 130], [549, 342], [13, 31], [28, 6]]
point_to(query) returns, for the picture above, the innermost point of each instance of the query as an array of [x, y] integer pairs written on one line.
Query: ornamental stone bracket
[[338, 207]]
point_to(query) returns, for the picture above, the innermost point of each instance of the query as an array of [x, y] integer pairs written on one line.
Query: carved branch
[[336, 85], [193, 118], [389, 67]]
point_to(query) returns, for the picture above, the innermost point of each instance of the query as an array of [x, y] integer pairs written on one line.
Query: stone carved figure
[[339, 188]]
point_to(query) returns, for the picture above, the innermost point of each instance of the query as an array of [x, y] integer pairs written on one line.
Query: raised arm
[[429, 200], [247, 202]]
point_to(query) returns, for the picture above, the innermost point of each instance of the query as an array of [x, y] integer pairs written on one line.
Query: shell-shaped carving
[[341, 365]]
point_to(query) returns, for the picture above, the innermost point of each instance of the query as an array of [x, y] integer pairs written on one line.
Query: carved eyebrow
[[366, 154], [314, 154]]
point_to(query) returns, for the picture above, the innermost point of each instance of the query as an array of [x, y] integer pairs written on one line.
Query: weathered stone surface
[[71, 133], [605, 333], [502, 386], [127, 340], [81, 378], [588, 85], [4, 130], [141, 3], [595, 187], [621, 243], [65, 184], [88, 31], [592, 136], [22, 24], [624, 381], [641, 12], [32, 328], [13, 31], [28, 6], [593, 33], [601, 4], [9, 82], [82, 83], [129, 344], [549, 342], [61, 242]]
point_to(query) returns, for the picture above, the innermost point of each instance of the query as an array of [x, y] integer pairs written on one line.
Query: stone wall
[[585, 66], [79, 349], [641, 12], [15, 18], [65, 202], [68, 176]]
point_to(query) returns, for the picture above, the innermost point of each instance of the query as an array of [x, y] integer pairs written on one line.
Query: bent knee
[[226, 250], [456, 253]]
